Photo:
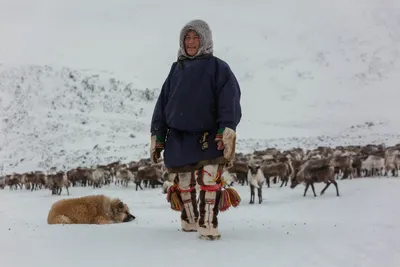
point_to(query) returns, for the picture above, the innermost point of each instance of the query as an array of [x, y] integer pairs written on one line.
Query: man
[[194, 122]]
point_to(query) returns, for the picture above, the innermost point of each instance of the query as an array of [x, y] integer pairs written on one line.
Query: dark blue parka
[[200, 95]]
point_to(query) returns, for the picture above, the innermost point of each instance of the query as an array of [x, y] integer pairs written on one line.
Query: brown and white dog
[[97, 209]]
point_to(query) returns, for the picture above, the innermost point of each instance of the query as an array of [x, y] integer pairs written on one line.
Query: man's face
[[192, 43]]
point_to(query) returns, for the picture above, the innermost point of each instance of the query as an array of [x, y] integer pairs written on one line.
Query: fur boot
[[209, 180], [187, 193]]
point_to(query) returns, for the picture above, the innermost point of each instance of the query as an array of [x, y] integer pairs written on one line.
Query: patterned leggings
[[208, 178]]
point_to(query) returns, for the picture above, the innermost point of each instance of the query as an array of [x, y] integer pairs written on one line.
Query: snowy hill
[[74, 74], [61, 117]]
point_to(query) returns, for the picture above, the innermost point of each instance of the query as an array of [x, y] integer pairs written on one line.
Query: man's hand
[[226, 140], [155, 149], [220, 145]]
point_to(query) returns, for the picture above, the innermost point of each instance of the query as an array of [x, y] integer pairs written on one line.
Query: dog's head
[[121, 212]]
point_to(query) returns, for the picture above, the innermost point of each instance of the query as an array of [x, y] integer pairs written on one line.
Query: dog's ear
[[120, 205]]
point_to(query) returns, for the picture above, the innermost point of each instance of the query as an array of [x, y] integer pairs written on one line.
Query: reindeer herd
[[319, 165], [96, 176]]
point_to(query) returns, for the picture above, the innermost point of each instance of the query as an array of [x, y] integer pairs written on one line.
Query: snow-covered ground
[[74, 74], [78, 83], [359, 228]]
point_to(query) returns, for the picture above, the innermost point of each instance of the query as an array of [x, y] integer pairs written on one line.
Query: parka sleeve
[[228, 99], [158, 122]]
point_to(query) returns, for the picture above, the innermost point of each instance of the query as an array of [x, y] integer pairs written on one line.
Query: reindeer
[[315, 171], [14, 180], [241, 169], [100, 176], [57, 181], [392, 161], [79, 175], [150, 173], [34, 181], [373, 164], [343, 163], [256, 180], [125, 175], [2, 182], [276, 169]]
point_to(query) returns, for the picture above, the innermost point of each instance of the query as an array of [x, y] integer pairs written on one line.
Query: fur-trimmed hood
[[206, 42]]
